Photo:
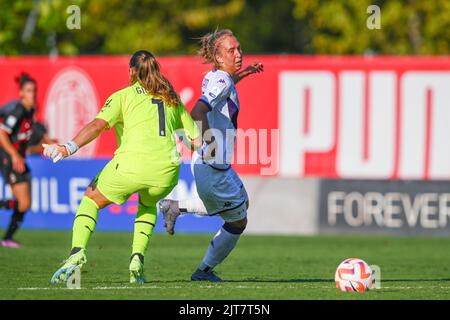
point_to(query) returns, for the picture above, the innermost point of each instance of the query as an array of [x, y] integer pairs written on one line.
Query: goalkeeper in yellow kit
[[146, 116]]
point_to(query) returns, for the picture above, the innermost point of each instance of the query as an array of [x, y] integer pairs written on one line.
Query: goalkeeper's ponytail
[[148, 74]]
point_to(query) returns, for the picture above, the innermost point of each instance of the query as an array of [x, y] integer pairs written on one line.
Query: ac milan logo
[[71, 103]]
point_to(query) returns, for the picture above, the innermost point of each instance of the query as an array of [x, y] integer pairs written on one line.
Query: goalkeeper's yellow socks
[[143, 228], [84, 223]]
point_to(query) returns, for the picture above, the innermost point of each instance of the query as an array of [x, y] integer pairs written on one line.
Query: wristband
[[71, 147]]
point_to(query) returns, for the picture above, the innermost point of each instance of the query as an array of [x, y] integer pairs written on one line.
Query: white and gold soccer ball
[[353, 275]]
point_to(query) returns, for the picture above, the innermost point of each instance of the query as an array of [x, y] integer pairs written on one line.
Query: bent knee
[[236, 227], [24, 206], [23, 203], [97, 197]]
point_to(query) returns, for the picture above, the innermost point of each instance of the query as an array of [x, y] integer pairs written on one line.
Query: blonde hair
[[148, 74], [210, 43]]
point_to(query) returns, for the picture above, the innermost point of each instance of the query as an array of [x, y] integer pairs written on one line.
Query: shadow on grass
[[155, 281], [331, 280], [253, 280]]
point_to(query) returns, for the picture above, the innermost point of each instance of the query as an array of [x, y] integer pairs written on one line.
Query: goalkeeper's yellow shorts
[[117, 188]]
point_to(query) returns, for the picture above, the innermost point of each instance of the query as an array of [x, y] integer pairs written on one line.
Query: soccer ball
[[353, 275]]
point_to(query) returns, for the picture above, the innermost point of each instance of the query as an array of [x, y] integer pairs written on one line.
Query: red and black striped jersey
[[17, 121]]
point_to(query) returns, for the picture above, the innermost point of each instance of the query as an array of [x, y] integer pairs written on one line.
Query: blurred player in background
[[145, 116], [220, 189], [39, 136], [19, 136]]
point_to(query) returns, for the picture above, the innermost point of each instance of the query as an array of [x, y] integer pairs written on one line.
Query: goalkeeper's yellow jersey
[[146, 129]]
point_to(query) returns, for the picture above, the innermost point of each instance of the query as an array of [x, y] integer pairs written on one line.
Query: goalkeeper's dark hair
[[23, 78], [210, 44], [149, 75]]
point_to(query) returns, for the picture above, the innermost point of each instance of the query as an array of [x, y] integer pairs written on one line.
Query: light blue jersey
[[218, 185], [220, 95]]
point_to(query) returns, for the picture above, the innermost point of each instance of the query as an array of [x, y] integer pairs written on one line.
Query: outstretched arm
[[256, 67], [89, 132]]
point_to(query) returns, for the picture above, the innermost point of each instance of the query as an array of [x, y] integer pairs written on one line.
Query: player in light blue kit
[[220, 189]]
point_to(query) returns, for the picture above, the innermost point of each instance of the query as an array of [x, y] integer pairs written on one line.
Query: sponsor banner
[[57, 190], [388, 207], [327, 117]]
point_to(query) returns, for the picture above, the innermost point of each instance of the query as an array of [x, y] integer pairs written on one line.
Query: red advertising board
[[335, 117]]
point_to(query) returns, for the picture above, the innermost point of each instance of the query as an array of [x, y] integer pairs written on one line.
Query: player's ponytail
[[148, 74], [23, 79], [210, 43]]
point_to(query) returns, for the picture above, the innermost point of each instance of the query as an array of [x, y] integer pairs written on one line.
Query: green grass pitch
[[261, 267]]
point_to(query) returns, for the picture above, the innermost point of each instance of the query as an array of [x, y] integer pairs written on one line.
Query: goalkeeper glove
[[58, 152]]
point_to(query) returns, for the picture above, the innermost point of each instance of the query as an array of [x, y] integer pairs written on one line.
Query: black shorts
[[9, 174]]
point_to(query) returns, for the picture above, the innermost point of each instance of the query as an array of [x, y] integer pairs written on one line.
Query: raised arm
[[256, 67]]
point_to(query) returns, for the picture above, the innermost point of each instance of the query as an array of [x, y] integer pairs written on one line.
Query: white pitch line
[[33, 289], [171, 287], [99, 288], [223, 287], [143, 287]]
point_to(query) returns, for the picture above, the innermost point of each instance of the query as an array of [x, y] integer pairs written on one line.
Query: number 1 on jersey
[[161, 116]]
